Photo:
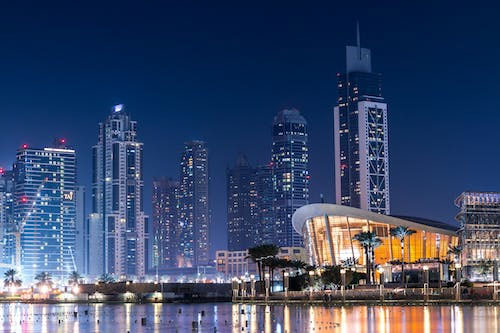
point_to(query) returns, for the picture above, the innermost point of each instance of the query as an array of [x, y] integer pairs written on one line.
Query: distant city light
[[118, 107]]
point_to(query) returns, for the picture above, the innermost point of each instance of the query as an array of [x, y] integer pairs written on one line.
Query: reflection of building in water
[[328, 232], [479, 232]]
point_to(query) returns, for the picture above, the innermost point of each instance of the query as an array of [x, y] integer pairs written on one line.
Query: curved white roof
[[307, 212]]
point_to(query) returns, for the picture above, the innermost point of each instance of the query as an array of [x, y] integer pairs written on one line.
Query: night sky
[[220, 71]]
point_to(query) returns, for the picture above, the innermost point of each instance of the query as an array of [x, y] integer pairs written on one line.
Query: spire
[[358, 39]]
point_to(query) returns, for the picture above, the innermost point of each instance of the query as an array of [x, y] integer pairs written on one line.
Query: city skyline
[[299, 68]]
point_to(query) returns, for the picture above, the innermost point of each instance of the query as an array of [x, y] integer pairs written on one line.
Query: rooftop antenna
[[322, 198], [358, 39]]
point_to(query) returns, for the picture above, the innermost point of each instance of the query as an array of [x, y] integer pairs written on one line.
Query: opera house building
[[328, 232]]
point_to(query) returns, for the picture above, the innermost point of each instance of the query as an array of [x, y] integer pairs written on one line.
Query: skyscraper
[[117, 199], [82, 233], [242, 211], [290, 173], [264, 201], [44, 210], [194, 213], [361, 136], [7, 224], [165, 223]]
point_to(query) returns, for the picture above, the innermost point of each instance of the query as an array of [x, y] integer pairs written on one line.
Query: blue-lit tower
[[45, 210]]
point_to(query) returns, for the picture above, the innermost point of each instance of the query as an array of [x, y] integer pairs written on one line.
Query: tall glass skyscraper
[[290, 173], [166, 229], [7, 225], [45, 210], [361, 135], [194, 213], [242, 211], [117, 222]]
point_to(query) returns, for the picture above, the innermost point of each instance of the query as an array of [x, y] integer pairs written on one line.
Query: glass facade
[[117, 199], [45, 211], [290, 158], [194, 214], [479, 219], [361, 136], [329, 240]]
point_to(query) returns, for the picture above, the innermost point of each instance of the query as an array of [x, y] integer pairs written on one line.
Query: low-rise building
[[479, 232], [238, 263]]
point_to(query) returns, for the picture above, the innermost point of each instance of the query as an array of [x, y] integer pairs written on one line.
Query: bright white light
[[76, 290], [13, 289], [118, 107], [44, 289]]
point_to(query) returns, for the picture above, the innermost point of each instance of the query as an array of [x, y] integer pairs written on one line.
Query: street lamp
[[243, 286], [458, 272], [426, 284], [268, 284], [342, 288], [285, 283], [252, 285], [311, 277]]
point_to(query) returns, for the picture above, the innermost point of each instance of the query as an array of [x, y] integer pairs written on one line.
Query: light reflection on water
[[226, 317]]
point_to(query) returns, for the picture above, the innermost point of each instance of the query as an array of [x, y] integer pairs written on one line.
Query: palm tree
[[10, 279], [106, 278], [369, 241], [43, 278], [456, 251], [260, 255], [401, 233], [74, 278]]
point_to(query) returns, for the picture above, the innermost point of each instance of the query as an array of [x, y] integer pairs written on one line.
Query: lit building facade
[[328, 232], [166, 229], [361, 136], [237, 263], [265, 205], [242, 210], [194, 212], [290, 158], [45, 210], [7, 225], [117, 199], [82, 232], [479, 219]]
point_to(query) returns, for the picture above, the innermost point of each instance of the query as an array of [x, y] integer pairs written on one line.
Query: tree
[[456, 252], [260, 255], [74, 278], [369, 241], [11, 280], [106, 278], [401, 233], [43, 278]]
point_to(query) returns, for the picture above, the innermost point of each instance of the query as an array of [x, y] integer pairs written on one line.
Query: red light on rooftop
[[25, 146], [2, 171], [63, 140]]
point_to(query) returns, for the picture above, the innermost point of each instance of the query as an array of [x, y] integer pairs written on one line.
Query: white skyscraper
[[117, 223]]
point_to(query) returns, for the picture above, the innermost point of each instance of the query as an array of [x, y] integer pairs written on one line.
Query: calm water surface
[[226, 317]]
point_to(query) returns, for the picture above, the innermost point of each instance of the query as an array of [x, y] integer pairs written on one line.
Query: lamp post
[[285, 283], [268, 284], [235, 287], [458, 273], [342, 288], [381, 278], [243, 286], [311, 278], [426, 284], [252, 285]]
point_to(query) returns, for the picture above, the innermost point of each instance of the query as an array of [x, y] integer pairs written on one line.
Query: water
[[226, 317]]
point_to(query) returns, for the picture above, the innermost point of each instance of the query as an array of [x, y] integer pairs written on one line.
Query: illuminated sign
[[68, 195]]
